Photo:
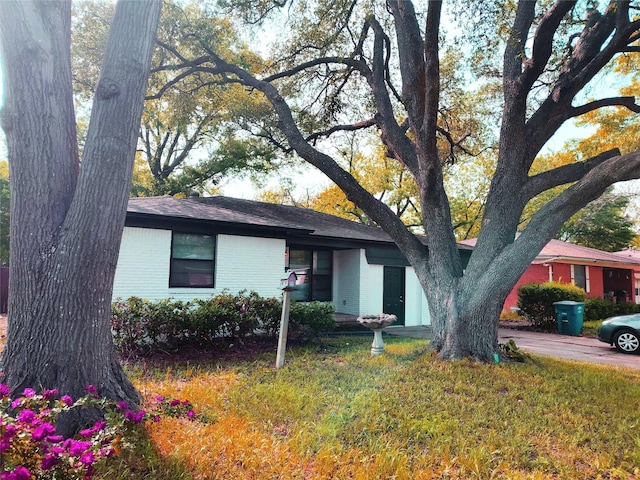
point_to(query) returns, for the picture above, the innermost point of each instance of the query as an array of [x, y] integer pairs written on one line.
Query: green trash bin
[[570, 316]]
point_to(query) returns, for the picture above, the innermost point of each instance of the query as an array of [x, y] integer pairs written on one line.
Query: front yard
[[336, 412]]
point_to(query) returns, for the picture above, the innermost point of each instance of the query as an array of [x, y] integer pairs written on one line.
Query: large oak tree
[[67, 213]]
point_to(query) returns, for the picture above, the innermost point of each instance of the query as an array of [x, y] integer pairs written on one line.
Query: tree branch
[[565, 174], [341, 128], [393, 135], [543, 43], [628, 102]]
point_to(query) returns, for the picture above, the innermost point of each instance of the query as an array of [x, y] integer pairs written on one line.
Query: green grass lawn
[[334, 412]]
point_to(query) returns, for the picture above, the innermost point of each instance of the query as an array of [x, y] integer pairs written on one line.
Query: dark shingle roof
[[229, 210]]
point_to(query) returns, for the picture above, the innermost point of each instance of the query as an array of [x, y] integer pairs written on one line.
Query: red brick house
[[599, 273]]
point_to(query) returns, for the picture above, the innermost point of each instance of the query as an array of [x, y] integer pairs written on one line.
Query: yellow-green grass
[[590, 328], [334, 412]]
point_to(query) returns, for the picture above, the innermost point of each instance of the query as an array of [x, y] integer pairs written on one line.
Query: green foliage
[[602, 224], [598, 309], [535, 301], [141, 326]]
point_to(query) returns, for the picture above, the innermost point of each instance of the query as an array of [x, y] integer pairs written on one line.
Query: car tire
[[627, 341]]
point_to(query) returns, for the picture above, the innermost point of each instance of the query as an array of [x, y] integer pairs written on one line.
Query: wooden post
[[284, 328]]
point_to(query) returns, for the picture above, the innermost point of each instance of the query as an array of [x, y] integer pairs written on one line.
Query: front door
[[393, 293]]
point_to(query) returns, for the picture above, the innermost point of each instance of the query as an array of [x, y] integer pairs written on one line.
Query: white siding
[[143, 264], [416, 306], [242, 263], [250, 263], [346, 284], [371, 279]]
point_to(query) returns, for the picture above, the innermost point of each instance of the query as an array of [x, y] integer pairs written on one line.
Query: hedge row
[[601, 308], [535, 301], [140, 326]]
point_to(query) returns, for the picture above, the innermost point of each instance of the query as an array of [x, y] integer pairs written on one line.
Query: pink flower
[[135, 417], [19, 473], [159, 398], [99, 425], [67, 400], [191, 414], [4, 390], [175, 403], [5, 443], [87, 458], [76, 447], [90, 389], [49, 394], [122, 405], [27, 416], [42, 431], [49, 461], [28, 392]]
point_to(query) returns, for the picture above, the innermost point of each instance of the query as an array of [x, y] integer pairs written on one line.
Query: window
[[192, 260], [580, 276], [315, 271]]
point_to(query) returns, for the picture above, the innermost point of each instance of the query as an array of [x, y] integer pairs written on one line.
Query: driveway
[[582, 349]]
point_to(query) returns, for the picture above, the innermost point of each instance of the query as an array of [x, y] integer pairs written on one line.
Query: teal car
[[623, 332]]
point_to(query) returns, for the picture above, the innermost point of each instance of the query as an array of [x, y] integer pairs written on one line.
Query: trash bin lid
[[568, 302]]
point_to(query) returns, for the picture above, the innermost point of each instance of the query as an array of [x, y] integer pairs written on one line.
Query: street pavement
[[569, 347]]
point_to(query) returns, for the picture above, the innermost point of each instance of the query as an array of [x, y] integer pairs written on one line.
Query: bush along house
[[196, 247]]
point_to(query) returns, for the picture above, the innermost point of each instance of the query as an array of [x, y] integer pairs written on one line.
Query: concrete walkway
[[582, 349]]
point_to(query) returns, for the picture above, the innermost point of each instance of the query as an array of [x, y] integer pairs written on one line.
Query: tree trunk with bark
[[67, 216]]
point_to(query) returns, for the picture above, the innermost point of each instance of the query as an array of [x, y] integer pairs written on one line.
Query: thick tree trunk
[[471, 334], [67, 220]]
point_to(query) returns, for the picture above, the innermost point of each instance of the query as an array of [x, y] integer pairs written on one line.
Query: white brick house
[[197, 247]]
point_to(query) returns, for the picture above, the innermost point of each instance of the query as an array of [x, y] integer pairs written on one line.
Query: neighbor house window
[[580, 276], [192, 260], [315, 271]]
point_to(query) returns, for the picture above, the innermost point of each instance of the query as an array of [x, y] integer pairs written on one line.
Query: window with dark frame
[[192, 260], [315, 272]]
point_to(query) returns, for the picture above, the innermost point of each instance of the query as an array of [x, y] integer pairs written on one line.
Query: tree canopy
[[192, 135], [602, 224]]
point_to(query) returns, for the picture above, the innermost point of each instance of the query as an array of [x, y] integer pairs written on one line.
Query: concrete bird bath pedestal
[[377, 323]]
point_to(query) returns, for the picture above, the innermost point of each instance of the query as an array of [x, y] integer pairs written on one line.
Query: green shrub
[[601, 308], [536, 301], [598, 309], [308, 320], [626, 308], [140, 326]]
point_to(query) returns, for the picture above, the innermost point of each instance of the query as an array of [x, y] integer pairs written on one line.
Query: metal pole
[[284, 327]]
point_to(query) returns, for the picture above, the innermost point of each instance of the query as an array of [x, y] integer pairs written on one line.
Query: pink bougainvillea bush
[[31, 448]]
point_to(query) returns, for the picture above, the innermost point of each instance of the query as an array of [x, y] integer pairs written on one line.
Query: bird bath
[[377, 323]]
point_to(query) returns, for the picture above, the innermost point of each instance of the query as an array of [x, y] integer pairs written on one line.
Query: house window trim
[[213, 261]]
